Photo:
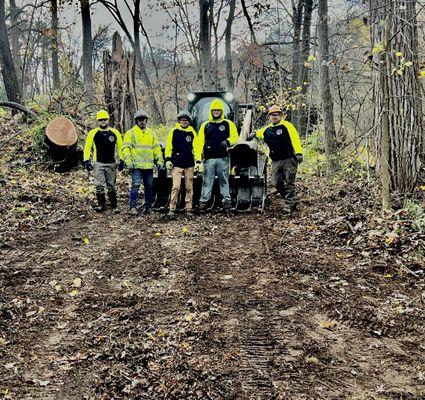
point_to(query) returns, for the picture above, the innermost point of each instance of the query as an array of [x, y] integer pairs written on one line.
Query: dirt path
[[249, 306]]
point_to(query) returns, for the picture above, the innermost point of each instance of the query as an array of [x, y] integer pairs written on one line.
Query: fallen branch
[[19, 107]]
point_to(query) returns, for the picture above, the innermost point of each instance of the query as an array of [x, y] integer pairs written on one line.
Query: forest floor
[[326, 304]]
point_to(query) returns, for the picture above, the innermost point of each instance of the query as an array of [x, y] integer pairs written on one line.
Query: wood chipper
[[248, 163]]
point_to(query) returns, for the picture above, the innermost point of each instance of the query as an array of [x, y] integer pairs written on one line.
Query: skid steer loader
[[248, 162]]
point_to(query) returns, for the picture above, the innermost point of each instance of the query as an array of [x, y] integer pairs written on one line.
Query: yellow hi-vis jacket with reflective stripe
[[141, 149]]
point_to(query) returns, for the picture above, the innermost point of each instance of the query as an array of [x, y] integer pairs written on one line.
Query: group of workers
[[186, 152]]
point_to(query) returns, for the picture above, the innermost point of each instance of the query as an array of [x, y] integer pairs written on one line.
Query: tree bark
[[205, 43], [303, 77], [327, 102], [87, 58], [8, 70], [54, 43], [15, 34], [297, 13], [395, 43], [228, 46]]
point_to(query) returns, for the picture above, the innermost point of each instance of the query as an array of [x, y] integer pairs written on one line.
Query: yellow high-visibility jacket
[[141, 149], [213, 132], [179, 148], [282, 139], [107, 146]]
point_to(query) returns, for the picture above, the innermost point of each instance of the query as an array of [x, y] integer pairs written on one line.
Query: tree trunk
[[205, 44], [54, 43], [327, 103], [304, 77], [15, 33], [87, 58], [228, 46], [8, 70], [297, 13], [395, 43], [119, 79]]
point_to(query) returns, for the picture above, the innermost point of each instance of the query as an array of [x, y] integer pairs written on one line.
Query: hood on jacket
[[217, 104]]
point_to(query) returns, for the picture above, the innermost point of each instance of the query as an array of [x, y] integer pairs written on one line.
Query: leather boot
[[113, 200], [100, 202]]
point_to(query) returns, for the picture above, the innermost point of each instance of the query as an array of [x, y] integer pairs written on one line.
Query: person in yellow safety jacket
[[286, 154], [102, 142], [180, 159], [215, 136], [142, 153]]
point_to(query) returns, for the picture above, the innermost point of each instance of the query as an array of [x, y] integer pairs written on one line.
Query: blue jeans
[[213, 167], [137, 176]]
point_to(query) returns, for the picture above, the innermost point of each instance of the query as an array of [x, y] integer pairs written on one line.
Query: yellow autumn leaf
[[185, 229], [327, 324], [311, 58], [188, 317], [422, 73], [378, 48], [311, 360], [6, 392], [186, 345], [73, 293], [86, 240], [422, 187], [388, 276], [408, 64], [399, 54], [58, 288], [299, 89], [158, 234]]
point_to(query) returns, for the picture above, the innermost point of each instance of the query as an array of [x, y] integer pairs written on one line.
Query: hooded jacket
[[282, 139], [213, 132], [179, 148]]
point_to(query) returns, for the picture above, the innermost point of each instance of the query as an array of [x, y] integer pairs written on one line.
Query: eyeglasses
[[141, 119], [275, 115], [183, 120], [103, 120]]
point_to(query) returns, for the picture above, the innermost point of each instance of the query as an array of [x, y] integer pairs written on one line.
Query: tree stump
[[120, 84]]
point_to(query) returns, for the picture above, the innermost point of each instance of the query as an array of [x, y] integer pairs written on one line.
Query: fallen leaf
[[158, 234], [86, 240], [327, 324], [388, 276], [311, 360], [43, 383], [76, 282], [185, 229], [73, 293]]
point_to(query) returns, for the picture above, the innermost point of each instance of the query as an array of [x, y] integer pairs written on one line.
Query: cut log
[[61, 131], [61, 140]]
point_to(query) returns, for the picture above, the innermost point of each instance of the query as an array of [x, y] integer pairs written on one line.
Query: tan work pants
[[177, 174]]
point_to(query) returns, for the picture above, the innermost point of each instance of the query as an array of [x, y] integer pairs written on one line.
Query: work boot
[[100, 202], [171, 214], [147, 211], [189, 213], [287, 209], [227, 205], [113, 200], [202, 207], [133, 211]]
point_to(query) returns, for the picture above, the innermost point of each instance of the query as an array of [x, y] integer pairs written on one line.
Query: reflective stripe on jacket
[[141, 149]]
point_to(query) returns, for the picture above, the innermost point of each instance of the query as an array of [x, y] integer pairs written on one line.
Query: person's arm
[[295, 138], [199, 143], [88, 145], [126, 148], [159, 159], [169, 145], [119, 144], [233, 134]]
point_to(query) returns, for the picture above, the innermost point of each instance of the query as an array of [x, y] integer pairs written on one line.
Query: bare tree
[[87, 57], [8, 70], [54, 43], [205, 7], [228, 46], [327, 102]]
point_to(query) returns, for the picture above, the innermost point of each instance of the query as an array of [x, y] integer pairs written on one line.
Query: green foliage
[[314, 157], [417, 213]]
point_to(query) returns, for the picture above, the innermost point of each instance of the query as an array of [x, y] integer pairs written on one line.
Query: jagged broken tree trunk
[[398, 119], [120, 84]]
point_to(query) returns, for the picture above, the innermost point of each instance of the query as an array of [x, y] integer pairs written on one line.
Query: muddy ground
[[326, 304]]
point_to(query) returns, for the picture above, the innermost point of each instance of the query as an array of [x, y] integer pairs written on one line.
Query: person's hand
[[198, 166], [160, 167], [299, 158], [87, 165], [121, 165], [169, 165], [225, 145]]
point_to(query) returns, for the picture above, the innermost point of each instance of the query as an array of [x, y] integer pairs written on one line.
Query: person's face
[[103, 123], [216, 114], [275, 117], [184, 122], [142, 122]]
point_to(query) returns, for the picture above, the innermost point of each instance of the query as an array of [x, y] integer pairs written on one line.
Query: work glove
[[299, 158], [121, 165], [87, 165], [251, 136], [198, 166], [169, 165], [225, 145], [160, 167], [130, 166]]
